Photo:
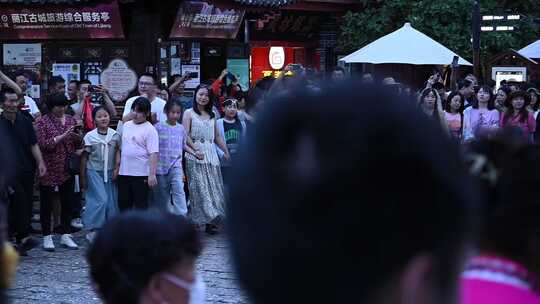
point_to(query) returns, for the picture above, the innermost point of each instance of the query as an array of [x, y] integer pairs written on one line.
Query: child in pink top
[[138, 158]]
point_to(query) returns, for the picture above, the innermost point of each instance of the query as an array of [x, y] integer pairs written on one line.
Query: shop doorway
[[213, 62]]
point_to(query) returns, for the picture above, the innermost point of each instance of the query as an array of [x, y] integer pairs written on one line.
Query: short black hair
[[334, 207], [55, 80], [97, 109], [141, 104], [4, 91], [56, 100], [20, 73], [85, 81], [133, 247], [76, 82], [173, 77], [149, 75], [170, 104], [464, 83]]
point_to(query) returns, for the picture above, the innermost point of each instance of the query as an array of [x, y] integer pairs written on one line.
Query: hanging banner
[[204, 20], [56, 22]]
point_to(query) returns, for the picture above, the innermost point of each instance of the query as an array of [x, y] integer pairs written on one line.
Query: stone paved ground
[[62, 276]]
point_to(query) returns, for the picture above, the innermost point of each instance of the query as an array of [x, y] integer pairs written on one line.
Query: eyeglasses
[[147, 84]]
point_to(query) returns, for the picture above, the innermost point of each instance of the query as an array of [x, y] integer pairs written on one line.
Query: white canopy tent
[[404, 46], [531, 51]]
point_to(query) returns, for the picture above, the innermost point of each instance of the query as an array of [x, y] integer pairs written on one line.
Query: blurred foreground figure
[[145, 258], [349, 198], [507, 268]]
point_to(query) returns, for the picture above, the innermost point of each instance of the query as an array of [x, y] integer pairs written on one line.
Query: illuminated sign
[[276, 57]]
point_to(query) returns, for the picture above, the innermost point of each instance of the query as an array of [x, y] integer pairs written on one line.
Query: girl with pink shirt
[[454, 114], [518, 116], [138, 158]]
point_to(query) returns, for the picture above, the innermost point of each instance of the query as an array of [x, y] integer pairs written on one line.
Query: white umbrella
[[532, 50], [405, 46]]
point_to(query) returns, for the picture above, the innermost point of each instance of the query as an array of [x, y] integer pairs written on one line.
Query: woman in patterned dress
[[204, 176]]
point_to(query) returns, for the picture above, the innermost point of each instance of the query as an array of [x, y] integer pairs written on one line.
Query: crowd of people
[[287, 172]]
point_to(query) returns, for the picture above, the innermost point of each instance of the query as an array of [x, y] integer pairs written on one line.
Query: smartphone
[[78, 129], [91, 88], [231, 76], [455, 62]]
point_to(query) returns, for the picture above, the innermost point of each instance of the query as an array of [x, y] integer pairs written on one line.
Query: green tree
[[448, 22]]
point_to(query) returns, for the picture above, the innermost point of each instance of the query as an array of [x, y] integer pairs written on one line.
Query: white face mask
[[196, 289]]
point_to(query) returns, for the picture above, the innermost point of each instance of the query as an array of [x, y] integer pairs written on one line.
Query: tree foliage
[[448, 22]]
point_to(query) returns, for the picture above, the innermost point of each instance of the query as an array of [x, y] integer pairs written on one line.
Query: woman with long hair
[[204, 175], [517, 114], [430, 103], [500, 98], [534, 104], [482, 118], [454, 114]]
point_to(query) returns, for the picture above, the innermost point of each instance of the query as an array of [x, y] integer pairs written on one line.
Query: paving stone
[[62, 276]]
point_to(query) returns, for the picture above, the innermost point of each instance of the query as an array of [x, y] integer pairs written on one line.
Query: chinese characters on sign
[[57, 17], [100, 21], [200, 19], [294, 26]]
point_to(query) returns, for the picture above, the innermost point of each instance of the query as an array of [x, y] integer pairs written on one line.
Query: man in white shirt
[[146, 88], [29, 104]]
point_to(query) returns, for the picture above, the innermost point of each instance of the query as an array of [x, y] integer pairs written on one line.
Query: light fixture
[[488, 17], [498, 17], [486, 28], [513, 17], [504, 28]]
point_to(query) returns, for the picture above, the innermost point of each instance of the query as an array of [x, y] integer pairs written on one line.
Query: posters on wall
[[28, 54], [195, 79], [119, 79], [240, 68], [176, 66], [68, 71]]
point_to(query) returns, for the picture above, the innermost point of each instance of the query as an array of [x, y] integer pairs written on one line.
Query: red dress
[[55, 155]]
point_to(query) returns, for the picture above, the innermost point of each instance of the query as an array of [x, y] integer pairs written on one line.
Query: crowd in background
[[310, 146]]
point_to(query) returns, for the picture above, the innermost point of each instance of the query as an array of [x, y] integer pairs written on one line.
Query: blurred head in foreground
[[146, 257], [343, 197]]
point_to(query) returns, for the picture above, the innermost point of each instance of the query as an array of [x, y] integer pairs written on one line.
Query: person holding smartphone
[[58, 138], [86, 90], [222, 91]]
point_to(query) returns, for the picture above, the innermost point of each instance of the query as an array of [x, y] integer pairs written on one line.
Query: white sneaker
[[48, 244], [91, 236], [67, 241], [77, 223]]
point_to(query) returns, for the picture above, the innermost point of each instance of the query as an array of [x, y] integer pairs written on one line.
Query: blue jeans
[[101, 200], [169, 193]]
